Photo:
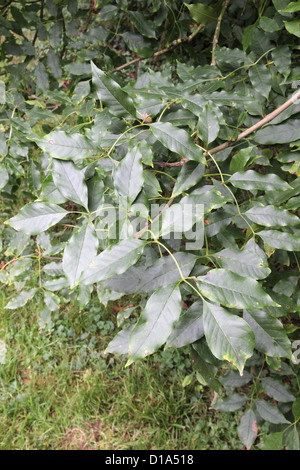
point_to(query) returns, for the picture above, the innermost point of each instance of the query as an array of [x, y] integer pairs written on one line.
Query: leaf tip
[[129, 362]]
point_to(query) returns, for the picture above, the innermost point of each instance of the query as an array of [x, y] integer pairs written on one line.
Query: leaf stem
[[217, 31]]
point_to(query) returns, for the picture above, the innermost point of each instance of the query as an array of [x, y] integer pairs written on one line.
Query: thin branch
[[91, 11], [243, 134], [259, 124], [171, 165], [217, 31], [173, 44]]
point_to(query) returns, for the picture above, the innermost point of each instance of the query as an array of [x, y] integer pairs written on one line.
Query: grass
[[58, 390]]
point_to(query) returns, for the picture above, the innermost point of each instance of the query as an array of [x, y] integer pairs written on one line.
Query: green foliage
[[135, 181]]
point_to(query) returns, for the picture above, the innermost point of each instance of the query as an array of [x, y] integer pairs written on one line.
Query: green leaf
[[252, 180], [224, 98], [296, 409], [189, 327], [156, 322], [260, 78], [21, 299], [274, 363], [108, 12], [233, 290], [270, 337], [205, 371], [115, 260], [147, 153], [270, 413], [282, 196], [190, 174], [152, 187], [4, 177], [77, 68], [69, 180], [248, 33], [228, 336], [276, 390], [128, 177], [269, 25], [287, 304], [53, 269], [54, 65], [36, 217], [292, 440], [208, 124], [209, 196], [55, 34], [201, 13], [240, 160], [281, 240], [251, 261], [124, 314], [187, 380], [113, 89], [50, 193], [273, 441], [292, 7], [279, 134], [247, 429], [81, 90], [232, 403], [142, 25], [52, 301], [293, 28], [3, 146], [165, 271], [271, 216], [2, 93], [96, 190], [66, 147], [233, 380], [120, 343], [177, 140], [34, 177], [230, 59], [80, 250], [281, 56], [141, 46]]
